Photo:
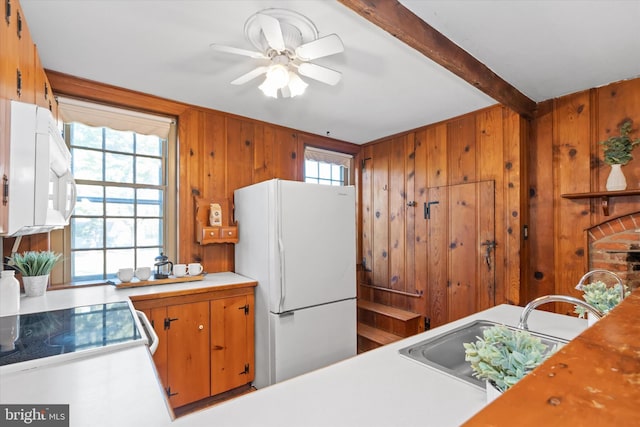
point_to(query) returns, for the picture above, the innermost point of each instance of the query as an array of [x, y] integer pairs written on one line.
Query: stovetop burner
[[71, 330]]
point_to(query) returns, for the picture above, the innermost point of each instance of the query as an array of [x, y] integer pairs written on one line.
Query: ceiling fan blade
[[324, 46], [250, 75], [272, 32], [237, 51], [320, 73]]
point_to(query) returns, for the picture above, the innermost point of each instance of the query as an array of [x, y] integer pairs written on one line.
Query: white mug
[[143, 273], [195, 268], [125, 274], [180, 270]]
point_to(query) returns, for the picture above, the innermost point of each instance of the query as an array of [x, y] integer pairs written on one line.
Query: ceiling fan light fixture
[[268, 89], [297, 86]]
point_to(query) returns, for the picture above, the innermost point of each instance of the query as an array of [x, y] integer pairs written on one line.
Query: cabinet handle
[[201, 327]]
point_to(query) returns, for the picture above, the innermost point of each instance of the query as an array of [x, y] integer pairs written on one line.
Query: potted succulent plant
[[617, 153], [601, 296], [502, 356], [35, 267]]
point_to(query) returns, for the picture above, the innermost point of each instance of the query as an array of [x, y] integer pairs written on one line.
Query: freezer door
[[312, 338], [316, 245]]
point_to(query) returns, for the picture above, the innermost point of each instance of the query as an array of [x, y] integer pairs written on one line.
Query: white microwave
[[40, 192]]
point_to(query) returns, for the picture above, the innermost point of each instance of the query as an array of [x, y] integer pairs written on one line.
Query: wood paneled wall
[[397, 171], [566, 157]]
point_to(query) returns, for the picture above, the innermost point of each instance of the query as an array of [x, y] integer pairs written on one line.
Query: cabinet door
[[231, 343], [188, 352]]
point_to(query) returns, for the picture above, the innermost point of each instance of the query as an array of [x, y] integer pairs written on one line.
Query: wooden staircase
[[380, 324]]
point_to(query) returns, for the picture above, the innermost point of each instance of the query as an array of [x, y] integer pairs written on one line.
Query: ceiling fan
[[288, 42]]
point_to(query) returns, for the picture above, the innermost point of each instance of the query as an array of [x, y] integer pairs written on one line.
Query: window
[[326, 167], [121, 218]]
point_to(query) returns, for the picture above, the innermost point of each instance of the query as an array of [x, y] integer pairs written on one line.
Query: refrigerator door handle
[[287, 314]]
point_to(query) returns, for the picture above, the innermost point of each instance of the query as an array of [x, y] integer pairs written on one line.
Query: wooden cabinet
[[232, 344], [206, 340], [206, 234]]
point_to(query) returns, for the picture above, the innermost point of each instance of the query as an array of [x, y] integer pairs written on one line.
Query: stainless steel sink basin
[[445, 352]]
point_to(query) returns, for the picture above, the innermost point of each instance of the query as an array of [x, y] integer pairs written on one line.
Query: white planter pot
[[35, 286], [616, 180], [591, 319], [492, 392]]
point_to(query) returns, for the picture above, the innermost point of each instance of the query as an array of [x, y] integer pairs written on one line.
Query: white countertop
[[377, 388]]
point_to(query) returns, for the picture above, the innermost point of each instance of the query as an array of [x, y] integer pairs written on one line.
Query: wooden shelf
[[206, 234], [603, 195]]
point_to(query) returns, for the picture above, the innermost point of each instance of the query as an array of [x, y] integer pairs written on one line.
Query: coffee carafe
[[163, 266]]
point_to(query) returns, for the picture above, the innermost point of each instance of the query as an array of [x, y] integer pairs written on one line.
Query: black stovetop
[[65, 331]]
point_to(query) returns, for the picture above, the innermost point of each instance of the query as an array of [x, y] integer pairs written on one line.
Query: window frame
[[61, 239]]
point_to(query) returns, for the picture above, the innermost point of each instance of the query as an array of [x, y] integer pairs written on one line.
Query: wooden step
[[387, 310], [375, 335], [390, 319]]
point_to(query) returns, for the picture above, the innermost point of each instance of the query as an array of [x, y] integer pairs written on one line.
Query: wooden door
[[188, 352], [461, 262], [231, 343]]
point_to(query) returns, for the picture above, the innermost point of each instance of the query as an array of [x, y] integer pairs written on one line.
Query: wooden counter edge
[[593, 380]]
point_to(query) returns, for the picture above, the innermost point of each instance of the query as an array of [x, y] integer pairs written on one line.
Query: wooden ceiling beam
[[403, 24]]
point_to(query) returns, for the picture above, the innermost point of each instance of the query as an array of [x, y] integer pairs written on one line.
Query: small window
[[326, 167]]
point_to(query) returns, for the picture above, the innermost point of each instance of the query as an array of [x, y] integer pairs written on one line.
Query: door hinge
[[245, 308], [427, 209], [7, 11], [246, 370], [5, 190], [167, 322], [168, 390]]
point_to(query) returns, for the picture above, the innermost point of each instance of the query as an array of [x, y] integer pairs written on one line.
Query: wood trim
[[403, 24], [64, 84]]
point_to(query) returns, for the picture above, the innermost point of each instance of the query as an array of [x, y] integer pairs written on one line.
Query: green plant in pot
[[617, 153], [601, 296], [35, 267], [503, 356]]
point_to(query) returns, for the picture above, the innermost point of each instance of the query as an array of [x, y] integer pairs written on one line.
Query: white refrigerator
[[298, 240]]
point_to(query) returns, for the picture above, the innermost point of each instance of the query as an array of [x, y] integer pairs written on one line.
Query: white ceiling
[[544, 48]]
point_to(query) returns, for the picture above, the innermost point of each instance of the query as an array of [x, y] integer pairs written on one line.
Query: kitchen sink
[[445, 352]]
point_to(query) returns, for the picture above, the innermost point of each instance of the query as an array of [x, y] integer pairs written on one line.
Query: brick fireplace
[[615, 246]]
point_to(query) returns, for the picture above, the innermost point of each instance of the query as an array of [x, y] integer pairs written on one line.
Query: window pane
[[119, 201], [146, 256], [149, 144], [311, 168], [117, 259], [336, 172], [150, 202], [85, 136], [149, 232], [116, 140], [325, 170], [119, 169], [119, 232], [86, 164], [149, 171], [87, 265], [89, 200], [87, 233]]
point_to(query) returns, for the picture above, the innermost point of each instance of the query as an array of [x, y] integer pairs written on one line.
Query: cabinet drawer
[[228, 232]]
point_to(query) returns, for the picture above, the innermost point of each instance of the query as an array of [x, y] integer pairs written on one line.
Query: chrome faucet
[[590, 273], [555, 298]]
